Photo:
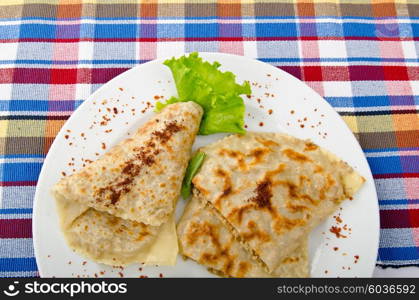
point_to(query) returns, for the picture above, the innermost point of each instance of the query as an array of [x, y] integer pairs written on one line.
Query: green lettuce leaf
[[193, 168], [217, 92]]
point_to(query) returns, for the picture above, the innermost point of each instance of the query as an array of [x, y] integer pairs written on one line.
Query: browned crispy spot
[[236, 214], [293, 207], [329, 183], [258, 155], [243, 269], [283, 224], [199, 230], [237, 155], [318, 169], [227, 188], [255, 233], [309, 146], [296, 156], [267, 143], [290, 259]]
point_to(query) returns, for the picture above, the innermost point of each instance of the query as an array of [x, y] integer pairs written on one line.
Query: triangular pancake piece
[[205, 238], [115, 241], [273, 189], [140, 178]]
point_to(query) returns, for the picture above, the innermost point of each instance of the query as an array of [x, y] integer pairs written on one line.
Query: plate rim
[[203, 54]]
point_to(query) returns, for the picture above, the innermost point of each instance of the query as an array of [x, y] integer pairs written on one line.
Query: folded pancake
[[140, 178], [273, 189], [205, 238], [119, 209]]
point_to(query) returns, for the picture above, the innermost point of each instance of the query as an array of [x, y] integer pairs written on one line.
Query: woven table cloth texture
[[361, 56]]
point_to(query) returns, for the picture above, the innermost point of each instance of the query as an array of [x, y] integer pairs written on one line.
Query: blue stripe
[[21, 171], [385, 165], [9, 211], [398, 202], [372, 101], [18, 264], [140, 61], [24, 105], [208, 30], [379, 150], [22, 156], [399, 253]]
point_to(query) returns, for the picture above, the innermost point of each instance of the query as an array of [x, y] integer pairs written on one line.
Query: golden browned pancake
[[204, 238], [140, 178], [272, 189], [119, 209]]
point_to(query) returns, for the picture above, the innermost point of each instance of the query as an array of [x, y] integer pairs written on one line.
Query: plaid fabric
[[362, 56]]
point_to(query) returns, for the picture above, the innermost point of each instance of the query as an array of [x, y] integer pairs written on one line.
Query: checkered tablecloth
[[362, 56]]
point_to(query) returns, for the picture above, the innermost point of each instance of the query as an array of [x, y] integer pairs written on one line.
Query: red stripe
[[396, 175], [73, 75], [399, 218], [203, 39], [15, 228], [17, 183]]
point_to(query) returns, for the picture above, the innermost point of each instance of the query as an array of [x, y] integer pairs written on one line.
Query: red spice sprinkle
[[305, 119], [269, 75], [258, 100], [270, 111], [121, 274], [325, 271], [83, 263], [249, 96], [102, 272], [115, 110], [161, 275], [245, 126], [261, 124], [69, 262], [156, 97], [338, 219], [143, 276], [336, 230], [292, 112], [96, 275], [66, 136], [302, 125], [140, 269], [121, 89], [335, 248], [63, 173], [103, 146]]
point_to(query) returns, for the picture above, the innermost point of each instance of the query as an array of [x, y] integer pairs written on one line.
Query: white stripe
[[374, 108], [36, 113], [392, 153], [22, 160], [336, 20]]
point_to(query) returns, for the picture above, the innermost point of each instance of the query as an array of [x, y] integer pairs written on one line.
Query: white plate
[[277, 91]]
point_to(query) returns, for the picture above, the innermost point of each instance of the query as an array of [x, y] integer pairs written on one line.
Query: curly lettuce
[[217, 92]]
